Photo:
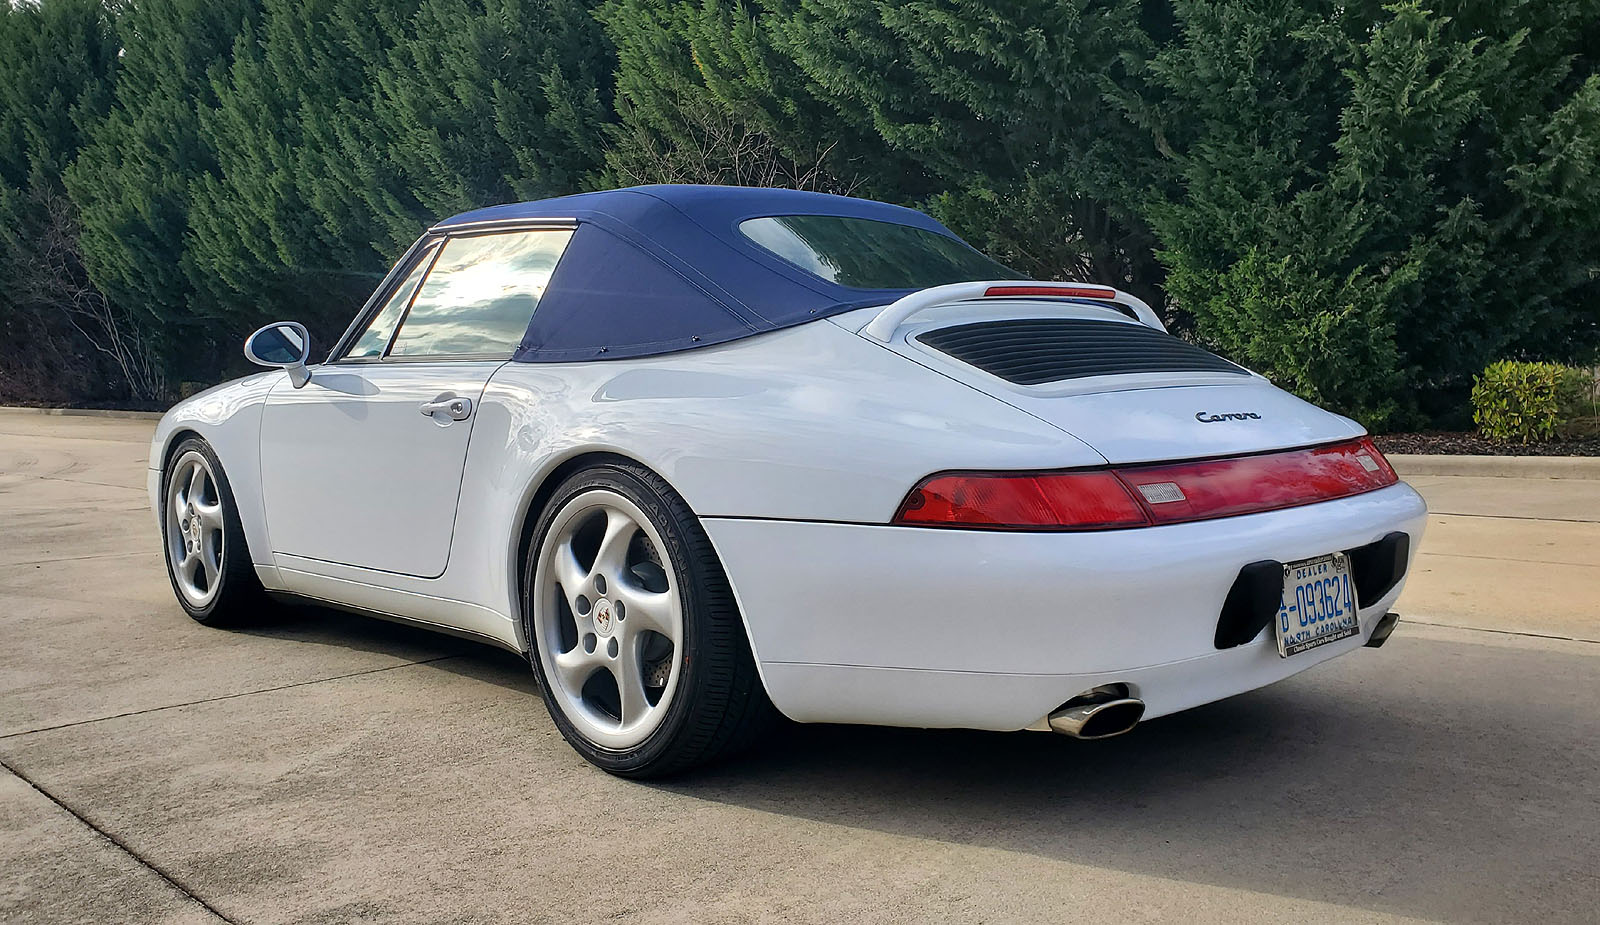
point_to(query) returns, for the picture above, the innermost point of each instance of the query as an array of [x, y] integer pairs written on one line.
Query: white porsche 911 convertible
[[700, 452]]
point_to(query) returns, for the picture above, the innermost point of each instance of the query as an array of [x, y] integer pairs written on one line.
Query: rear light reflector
[[1060, 292], [1141, 495]]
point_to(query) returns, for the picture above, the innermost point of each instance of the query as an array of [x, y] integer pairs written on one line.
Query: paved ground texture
[[336, 769]]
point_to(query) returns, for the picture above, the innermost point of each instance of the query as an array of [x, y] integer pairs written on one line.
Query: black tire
[[239, 598], [720, 705]]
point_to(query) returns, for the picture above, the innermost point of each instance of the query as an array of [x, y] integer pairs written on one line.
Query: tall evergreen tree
[[1370, 203], [1004, 107], [132, 183], [279, 229], [705, 95], [342, 129], [479, 102], [61, 338], [993, 117]]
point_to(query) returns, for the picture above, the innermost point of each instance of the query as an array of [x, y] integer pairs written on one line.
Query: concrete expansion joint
[[119, 844], [191, 703]]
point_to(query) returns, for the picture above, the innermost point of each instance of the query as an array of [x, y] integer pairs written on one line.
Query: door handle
[[457, 409]]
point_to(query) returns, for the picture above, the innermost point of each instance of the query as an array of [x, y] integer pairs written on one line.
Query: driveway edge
[[1500, 467], [89, 413]]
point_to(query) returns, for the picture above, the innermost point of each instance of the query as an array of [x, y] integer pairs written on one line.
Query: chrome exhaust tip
[[1380, 633], [1098, 714]]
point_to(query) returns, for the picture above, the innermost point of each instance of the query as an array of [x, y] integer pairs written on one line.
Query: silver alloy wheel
[[194, 528], [608, 618]]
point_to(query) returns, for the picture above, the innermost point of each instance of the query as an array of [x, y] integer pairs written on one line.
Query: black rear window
[[866, 254]]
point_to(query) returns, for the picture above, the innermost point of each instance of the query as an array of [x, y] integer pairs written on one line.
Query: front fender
[[228, 417]]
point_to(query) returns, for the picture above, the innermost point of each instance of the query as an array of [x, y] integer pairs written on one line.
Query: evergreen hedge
[[1366, 201]]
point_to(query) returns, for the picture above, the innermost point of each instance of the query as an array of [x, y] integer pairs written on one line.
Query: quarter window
[[479, 296]]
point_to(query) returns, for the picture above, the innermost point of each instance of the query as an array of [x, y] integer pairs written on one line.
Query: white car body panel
[[1045, 616], [795, 448], [350, 464], [228, 416], [1146, 417], [845, 446]]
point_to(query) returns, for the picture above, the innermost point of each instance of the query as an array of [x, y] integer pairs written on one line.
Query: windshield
[[866, 254]]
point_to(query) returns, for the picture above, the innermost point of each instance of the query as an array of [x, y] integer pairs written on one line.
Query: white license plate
[[1318, 605]]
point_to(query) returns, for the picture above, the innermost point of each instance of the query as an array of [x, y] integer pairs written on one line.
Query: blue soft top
[[654, 269]]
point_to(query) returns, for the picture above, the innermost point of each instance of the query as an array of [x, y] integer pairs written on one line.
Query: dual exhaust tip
[[1107, 710], [1099, 713]]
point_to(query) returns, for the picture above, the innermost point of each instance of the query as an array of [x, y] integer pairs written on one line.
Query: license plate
[[1318, 605]]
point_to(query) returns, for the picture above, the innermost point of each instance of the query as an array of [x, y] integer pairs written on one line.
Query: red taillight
[[1053, 501], [1060, 292], [1136, 496], [1225, 487]]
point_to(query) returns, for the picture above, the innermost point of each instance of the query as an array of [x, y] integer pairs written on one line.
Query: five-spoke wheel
[[194, 528], [632, 628], [609, 620], [206, 556]]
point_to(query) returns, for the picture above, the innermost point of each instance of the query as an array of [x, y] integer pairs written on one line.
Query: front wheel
[[206, 556], [633, 631]]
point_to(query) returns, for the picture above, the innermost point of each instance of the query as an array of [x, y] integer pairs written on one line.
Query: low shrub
[[1517, 402]]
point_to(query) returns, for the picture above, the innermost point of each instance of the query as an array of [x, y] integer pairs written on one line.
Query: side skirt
[[293, 598]]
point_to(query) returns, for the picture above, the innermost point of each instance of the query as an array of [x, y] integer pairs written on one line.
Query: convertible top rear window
[[867, 254]]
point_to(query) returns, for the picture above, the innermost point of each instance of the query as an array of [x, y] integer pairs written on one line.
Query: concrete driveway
[[335, 769]]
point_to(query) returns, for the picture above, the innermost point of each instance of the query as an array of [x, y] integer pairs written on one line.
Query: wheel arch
[[228, 418], [178, 435], [537, 497], [170, 448]]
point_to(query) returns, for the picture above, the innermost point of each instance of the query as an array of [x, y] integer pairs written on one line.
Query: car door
[[362, 466]]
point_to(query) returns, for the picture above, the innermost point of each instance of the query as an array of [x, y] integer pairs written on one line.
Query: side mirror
[[283, 344]]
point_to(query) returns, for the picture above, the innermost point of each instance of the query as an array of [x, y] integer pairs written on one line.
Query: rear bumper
[[937, 628]]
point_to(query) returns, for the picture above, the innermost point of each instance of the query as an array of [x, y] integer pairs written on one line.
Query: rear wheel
[[203, 538], [634, 634]]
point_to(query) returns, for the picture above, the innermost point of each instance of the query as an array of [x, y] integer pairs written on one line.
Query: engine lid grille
[[1031, 351]]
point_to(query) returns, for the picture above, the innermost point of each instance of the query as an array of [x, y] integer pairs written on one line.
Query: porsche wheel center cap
[[602, 617]]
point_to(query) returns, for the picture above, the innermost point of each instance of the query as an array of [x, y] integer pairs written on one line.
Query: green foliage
[[992, 117], [479, 102], [1001, 112], [268, 236], [1437, 171], [1367, 201], [1517, 402], [133, 182], [1326, 338], [342, 128], [704, 95], [60, 60]]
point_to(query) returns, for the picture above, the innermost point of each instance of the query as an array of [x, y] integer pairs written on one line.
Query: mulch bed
[[113, 405], [1457, 444]]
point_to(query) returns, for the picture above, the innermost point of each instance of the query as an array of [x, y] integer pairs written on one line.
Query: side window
[[480, 295], [375, 339]]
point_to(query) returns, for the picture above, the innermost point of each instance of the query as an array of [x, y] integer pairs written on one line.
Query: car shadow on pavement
[[1387, 781], [326, 626], [1349, 785]]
